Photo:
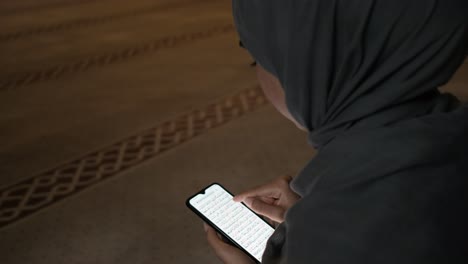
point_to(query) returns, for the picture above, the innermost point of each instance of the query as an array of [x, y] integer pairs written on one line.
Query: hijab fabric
[[389, 182]]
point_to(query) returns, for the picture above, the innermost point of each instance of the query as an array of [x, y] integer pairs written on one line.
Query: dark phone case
[[225, 236]]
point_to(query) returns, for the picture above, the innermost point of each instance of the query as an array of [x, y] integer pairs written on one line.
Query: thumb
[[224, 251], [273, 212], [214, 241]]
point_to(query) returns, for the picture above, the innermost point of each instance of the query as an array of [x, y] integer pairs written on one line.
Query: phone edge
[[206, 220]]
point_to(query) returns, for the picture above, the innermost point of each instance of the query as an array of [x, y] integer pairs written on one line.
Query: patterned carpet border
[[119, 56], [33, 194], [94, 21], [39, 7]]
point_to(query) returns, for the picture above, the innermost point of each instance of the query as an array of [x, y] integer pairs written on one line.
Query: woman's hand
[[225, 252], [271, 200]]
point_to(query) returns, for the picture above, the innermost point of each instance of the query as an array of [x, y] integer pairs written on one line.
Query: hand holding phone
[[272, 199], [227, 252], [235, 221]]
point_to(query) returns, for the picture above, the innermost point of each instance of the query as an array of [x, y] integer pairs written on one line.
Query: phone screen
[[235, 220]]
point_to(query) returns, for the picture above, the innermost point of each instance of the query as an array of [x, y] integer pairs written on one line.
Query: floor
[[112, 113]]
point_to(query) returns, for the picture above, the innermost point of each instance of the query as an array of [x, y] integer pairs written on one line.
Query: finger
[[214, 240], [267, 200], [221, 249], [271, 189], [273, 212], [268, 190]]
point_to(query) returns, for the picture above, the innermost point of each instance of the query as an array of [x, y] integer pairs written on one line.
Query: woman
[[389, 183]]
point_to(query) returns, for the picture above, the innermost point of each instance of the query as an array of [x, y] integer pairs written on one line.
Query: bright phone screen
[[237, 221]]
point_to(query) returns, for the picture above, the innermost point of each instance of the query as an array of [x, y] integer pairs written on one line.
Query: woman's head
[[271, 86], [341, 62]]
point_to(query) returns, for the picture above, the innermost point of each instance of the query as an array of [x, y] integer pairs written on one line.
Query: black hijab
[[389, 182]]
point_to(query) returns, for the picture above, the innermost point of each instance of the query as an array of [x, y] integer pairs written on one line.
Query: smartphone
[[235, 221]]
